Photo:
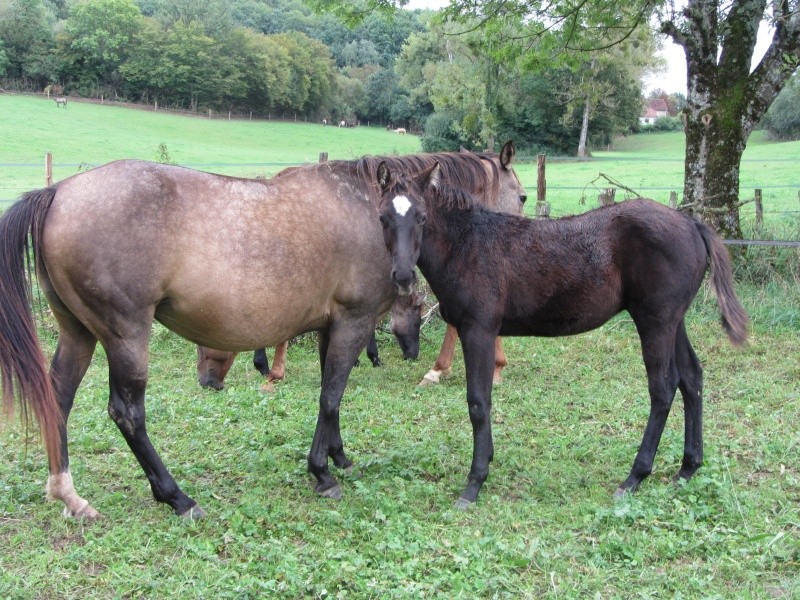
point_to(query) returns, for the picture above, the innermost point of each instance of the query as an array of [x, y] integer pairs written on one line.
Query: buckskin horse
[[499, 189], [498, 274], [126, 243]]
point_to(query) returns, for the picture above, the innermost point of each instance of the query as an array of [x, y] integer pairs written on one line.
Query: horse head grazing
[[406, 321], [402, 215]]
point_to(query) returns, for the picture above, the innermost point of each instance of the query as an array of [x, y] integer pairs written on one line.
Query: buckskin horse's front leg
[[478, 346], [339, 348]]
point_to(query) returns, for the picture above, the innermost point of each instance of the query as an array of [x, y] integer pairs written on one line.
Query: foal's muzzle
[[404, 281]]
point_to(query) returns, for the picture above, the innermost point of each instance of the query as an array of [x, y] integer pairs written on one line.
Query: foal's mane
[[444, 197]]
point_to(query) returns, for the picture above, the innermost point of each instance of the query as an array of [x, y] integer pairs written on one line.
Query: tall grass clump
[[767, 265]]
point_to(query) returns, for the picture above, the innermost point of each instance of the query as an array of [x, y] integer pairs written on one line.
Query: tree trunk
[[582, 143], [715, 141]]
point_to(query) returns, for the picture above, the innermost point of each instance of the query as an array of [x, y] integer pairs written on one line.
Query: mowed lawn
[[567, 421]]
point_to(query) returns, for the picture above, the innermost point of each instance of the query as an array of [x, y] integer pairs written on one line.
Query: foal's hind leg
[[691, 386], [662, 377], [339, 348], [127, 363], [70, 362]]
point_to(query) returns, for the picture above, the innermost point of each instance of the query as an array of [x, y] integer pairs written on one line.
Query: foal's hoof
[[268, 387], [193, 514], [334, 492], [462, 504], [620, 493]]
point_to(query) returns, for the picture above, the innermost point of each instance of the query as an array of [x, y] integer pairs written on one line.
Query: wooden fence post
[[759, 209], [48, 169], [673, 199], [323, 157], [542, 206]]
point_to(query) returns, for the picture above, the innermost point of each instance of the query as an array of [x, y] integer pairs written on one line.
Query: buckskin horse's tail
[[734, 317], [23, 370]]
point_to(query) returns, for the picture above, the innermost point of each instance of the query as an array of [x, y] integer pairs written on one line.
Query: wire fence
[[17, 178]]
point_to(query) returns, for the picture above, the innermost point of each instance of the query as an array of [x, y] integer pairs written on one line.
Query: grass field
[[567, 422]]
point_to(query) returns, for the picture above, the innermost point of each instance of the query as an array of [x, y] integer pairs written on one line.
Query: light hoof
[[462, 504], [335, 493], [193, 514], [621, 492], [87, 513], [268, 387]]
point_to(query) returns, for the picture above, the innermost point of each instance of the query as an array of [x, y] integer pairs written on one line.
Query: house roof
[[658, 104]]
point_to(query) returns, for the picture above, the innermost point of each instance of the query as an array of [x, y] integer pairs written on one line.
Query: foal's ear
[[383, 176], [507, 154], [431, 176]]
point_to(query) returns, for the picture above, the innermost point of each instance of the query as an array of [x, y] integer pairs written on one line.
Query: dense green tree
[[99, 34], [26, 37], [782, 120]]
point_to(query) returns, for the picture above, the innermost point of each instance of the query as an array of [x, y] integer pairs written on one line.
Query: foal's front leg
[[478, 346]]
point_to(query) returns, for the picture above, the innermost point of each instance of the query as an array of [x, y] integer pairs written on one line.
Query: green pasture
[[567, 421]]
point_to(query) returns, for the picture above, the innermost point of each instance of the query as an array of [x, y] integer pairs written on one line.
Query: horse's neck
[[439, 239]]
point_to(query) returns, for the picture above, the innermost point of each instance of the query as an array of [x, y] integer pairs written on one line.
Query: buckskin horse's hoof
[[193, 514], [334, 492]]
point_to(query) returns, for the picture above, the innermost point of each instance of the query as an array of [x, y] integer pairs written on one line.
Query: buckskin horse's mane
[[465, 170]]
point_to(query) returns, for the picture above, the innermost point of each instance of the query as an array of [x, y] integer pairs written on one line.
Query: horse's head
[[511, 195], [402, 215], [406, 321]]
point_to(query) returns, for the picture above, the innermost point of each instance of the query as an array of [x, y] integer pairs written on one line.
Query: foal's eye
[[420, 219], [384, 220]]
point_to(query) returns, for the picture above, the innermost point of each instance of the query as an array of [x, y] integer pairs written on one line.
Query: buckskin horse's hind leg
[[339, 349], [658, 351], [127, 363], [70, 362], [691, 386]]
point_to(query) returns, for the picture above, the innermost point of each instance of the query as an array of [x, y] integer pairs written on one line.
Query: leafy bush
[[440, 136], [782, 120], [663, 124]]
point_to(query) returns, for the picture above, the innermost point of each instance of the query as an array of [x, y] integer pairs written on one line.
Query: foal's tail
[[734, 317], [23, 370]]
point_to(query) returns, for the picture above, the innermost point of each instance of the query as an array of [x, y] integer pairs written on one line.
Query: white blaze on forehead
[[401, 205]]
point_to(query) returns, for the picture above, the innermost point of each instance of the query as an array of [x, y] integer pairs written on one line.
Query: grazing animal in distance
[[60, 101]]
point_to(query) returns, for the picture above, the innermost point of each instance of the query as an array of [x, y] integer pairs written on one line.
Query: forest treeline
[[279, 58]]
